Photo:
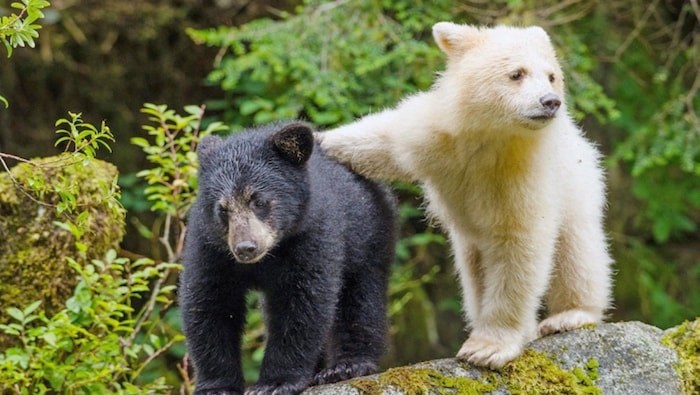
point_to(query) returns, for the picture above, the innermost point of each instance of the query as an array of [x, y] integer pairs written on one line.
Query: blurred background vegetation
[[633, 71]]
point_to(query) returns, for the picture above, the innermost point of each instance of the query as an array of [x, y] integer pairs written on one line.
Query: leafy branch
[[18, 29], [172, 183], [82, 141]]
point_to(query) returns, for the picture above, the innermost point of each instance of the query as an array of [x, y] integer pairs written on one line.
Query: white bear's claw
[[489, 352], [566, 321]]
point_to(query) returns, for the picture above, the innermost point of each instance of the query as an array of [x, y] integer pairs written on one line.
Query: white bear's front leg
[[515, 275], [467, 260], [367, 147], [580, 287]]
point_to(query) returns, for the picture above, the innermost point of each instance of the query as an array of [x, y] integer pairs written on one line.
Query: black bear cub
[[274, 214]]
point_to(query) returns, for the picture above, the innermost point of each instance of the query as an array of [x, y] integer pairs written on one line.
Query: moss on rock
[[533, 373], [685, 339], [412, 381], [33, 250], [537, 373]]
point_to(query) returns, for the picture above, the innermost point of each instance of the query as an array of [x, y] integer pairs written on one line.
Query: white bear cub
[[508, 175]]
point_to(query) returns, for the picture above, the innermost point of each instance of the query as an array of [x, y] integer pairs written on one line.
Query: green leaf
[[140, 142], [50, 338], [18, 356], [30, 309], [15, 313]]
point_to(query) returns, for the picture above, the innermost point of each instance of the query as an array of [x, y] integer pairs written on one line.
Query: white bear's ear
[[540, 32], [454, 39]]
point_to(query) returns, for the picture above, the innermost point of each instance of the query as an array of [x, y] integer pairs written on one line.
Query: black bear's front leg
[[213, 311], [359, 332], [300, 311]]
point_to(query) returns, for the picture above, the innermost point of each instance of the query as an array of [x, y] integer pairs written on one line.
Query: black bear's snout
[[245, 251], [551, 103]]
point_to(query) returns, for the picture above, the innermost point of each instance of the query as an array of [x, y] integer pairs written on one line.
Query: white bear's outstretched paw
[[490, 352], [566, 321]]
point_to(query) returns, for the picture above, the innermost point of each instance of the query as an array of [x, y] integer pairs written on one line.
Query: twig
[[12, 22], [149, 308], [327, 7], [202, 108], [637, 30], [153, 356], [165, 239], [484, 13], [690, 97], [544, 13], [17, 158], [20, 188], [696, 8], [564, 19], [186, 387]]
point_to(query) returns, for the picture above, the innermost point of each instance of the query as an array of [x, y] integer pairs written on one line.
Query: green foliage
[[328, 63], [173, 152], [109, 334], [109, 331], [670, 197], [18, 29], [81, 140], [586, 96], [100, 342], [663, 144], [663, 294]]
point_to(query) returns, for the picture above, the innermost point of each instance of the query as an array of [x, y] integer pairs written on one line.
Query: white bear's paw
[[490, 352], [566, 321]]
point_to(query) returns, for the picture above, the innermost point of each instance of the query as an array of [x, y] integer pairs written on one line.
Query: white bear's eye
[[551, 78], [517, 75]]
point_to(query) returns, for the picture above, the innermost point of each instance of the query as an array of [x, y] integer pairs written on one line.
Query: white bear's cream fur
[[520, 194]]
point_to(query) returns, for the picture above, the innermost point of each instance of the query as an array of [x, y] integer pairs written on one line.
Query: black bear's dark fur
[[331, 237]]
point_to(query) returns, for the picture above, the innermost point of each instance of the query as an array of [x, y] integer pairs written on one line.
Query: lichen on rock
[[33, 249]]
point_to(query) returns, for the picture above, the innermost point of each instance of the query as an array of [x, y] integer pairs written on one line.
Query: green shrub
[[101, 341]]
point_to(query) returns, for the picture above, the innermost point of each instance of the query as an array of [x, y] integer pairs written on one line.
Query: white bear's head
[[502, 78]]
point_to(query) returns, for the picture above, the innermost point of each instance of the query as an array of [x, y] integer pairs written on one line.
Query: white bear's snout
[[551, 103]]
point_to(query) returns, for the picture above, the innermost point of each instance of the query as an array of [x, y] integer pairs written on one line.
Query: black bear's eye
[[259, 205], [222, 213], [517, 75]]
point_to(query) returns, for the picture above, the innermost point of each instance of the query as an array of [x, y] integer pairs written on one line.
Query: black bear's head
[[254, 187]]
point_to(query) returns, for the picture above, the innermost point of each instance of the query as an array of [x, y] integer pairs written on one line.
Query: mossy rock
[[685, 339], [622, 358], [33, 249]]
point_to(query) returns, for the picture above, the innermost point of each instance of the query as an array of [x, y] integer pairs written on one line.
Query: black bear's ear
[[295, 142], [207, 145]]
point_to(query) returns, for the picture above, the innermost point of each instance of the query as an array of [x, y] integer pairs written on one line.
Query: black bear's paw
[[277, 389], [344, 371], [218, 391]]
